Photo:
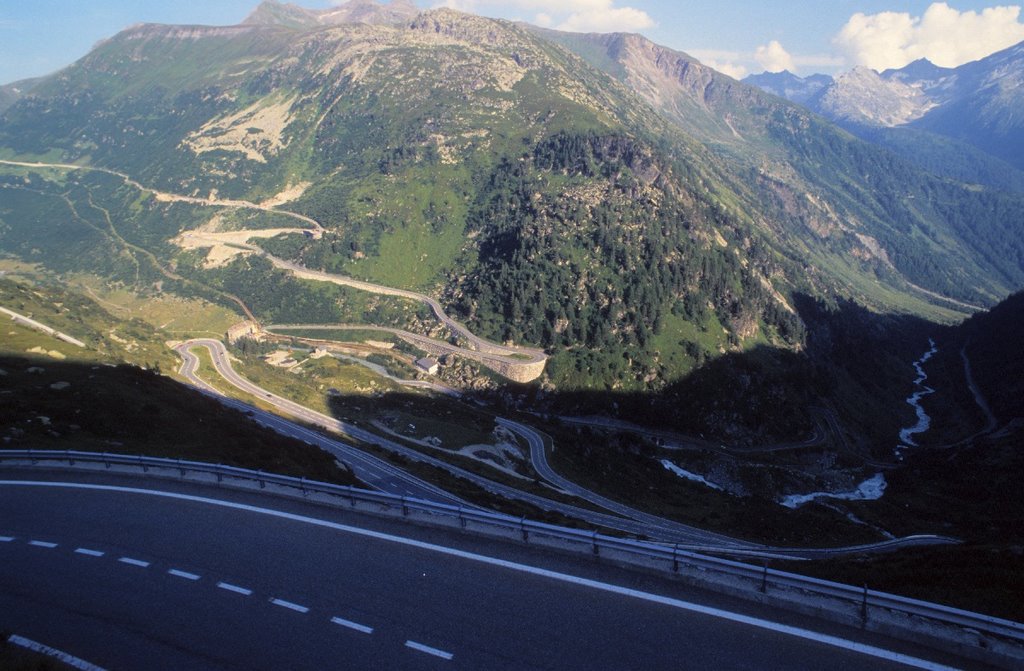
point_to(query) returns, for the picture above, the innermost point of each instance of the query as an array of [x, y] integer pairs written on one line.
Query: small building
[[427, 365], [246, 329]]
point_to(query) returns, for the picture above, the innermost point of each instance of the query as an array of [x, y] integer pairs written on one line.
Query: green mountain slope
[[635, 218], [841, 202]]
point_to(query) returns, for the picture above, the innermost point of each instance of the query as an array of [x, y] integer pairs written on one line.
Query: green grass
[[423, 219]]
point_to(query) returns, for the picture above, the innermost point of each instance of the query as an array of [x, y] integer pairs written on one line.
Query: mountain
[[917, 72], [862, 96], [826, 195], [974, 104], [980, 104], [787, 85], [618, 204], [11, 93], [273, 13]]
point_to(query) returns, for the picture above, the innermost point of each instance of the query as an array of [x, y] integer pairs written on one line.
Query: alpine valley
[[438, 227]]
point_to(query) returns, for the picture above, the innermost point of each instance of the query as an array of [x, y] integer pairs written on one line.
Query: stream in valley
[[914, 400]]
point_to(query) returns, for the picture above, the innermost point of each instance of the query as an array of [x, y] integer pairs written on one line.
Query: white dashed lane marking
[[234, 588], [289, 605], [43, 544], [183, 574], [429, 650], [352, 625], [244, 591]]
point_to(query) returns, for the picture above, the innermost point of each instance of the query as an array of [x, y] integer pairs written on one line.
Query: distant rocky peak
[[787, 85], [863, 96], [922, 73], [272, 12]]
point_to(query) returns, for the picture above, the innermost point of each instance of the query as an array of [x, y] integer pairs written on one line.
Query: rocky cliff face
[[862, 96]]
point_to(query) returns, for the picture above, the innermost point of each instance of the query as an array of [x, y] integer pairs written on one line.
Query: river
[[914, 400], [869, 490]]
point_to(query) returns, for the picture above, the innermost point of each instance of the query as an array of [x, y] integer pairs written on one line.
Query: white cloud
[[599, 16], [774, 58], [943, 35], [734, 70], [726, 62], [607, 19]]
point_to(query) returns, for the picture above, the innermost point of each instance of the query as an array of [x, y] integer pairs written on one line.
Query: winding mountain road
[[633, 521], [668, 531], [375, 472], [171, 197], [521, 364]]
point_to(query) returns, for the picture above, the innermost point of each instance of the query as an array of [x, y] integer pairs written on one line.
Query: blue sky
[[738, 37]]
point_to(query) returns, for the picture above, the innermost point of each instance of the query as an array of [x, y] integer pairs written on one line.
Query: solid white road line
[[427, 649], [352, 625], [70, 660], [234, 588], [43, 544], [6, 539], [797, 632], [133, 562], [183, 574], [89, 553], [289, 605]]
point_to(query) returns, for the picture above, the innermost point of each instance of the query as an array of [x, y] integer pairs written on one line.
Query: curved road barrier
[[966, 633]]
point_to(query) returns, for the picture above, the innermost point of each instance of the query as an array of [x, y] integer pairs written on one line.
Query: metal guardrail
[[966, 632]]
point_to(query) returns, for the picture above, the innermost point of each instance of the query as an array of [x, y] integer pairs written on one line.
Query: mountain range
[[631, 211], [974, 105]]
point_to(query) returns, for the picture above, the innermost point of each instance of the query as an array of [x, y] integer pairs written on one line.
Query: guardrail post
[[263, 483], [32, 457], [302, 486], [220, 476], [864, 607], [405, 508], [67, 455], [181, 469], [145, 466], [675, 558], [462, 518], [764, 578], [522, 527], [106, 460], [597, 551]]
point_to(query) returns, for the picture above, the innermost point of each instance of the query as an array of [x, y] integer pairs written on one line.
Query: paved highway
[[373, 471], [127, 577], [539, 460]]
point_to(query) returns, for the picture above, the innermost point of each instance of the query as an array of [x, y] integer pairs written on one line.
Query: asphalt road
[[373, 471], [128, 579], [539, 459]]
